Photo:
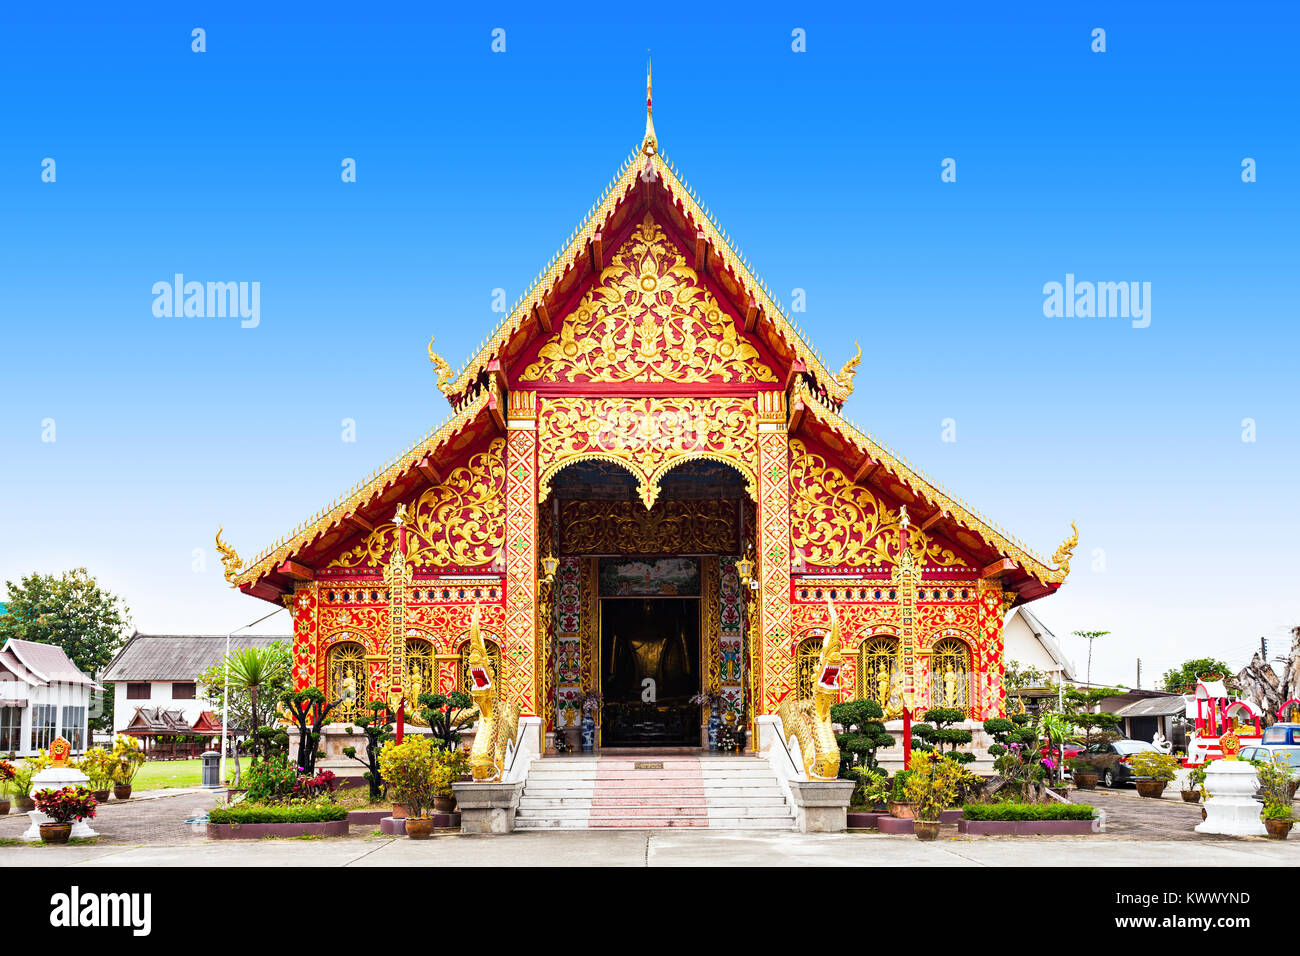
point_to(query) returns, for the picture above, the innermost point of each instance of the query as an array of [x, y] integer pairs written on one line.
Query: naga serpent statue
[[498, 719], [808, 719]]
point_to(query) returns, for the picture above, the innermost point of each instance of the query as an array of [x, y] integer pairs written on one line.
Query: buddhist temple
[[646, 487]]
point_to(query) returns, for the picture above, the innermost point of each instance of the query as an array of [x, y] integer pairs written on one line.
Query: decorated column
[[520, 659], [774, 655]]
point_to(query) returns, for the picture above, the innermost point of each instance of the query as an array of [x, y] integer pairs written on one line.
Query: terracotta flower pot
[[101, 796], [904, 811], [55, 832], [1191, 796], [419, 828], [1277, 829], [444, 804], [4, 808], [1085, 781], [399, 811], [24, 804], [926, 829], [1151, 788], [122, 791]]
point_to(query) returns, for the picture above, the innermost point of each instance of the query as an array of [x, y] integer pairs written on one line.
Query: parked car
[[1071, 749], [1112, 759], [1280, 735], [1265, 752]]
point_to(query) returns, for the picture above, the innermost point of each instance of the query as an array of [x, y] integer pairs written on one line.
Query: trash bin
[[211, 769]]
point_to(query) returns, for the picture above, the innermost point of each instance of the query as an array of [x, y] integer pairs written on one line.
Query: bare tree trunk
[[1260, 682]]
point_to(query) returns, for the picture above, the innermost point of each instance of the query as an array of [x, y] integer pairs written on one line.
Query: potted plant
[[1275, 788], [1193, 785], [97, 765], [591, 703], [7, 774], [64, 808], [572, 708], [409, 768], [1084, 773], [22, 786], [1153, 772], [450, 765], [873, 788], [932, 788], [900, 805], [128, 758]]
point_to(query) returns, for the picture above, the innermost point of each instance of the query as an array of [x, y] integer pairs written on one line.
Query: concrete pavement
[[672, 848]]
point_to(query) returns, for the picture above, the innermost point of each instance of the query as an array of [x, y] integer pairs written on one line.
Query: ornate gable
[[648, 318]]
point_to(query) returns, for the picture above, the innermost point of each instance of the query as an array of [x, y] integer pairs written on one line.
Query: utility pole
[[1139, 678]]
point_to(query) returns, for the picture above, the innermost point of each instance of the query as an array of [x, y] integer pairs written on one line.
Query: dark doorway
[[650, 668]]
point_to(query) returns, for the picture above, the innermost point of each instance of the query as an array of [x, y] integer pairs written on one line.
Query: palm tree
[[251, 669], [1090, 636]]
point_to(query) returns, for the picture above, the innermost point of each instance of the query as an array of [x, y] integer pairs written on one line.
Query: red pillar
[[907, 736]]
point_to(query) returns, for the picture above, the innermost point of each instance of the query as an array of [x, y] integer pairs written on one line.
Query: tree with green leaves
[[446, 714], [72, 612], [309, 711], [863, 734], [937, 732], [255, 670], [1019, 676], [1097, 727], [378, 729], [1091, 638], [1183, 679]]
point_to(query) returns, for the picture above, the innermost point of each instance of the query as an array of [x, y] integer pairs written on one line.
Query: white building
[[161, 672], [1028, 642], [42, 696]]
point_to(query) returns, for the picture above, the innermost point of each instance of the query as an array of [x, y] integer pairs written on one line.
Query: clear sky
[[825, 167]]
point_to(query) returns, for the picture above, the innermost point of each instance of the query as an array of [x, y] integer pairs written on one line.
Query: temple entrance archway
[[660, 617]]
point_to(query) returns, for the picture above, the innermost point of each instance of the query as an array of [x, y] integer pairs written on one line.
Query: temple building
[[647, 486]]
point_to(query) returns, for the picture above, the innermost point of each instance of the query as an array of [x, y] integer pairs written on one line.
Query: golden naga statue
[[498, 719], [850, 369], [1063, 554], [441, 367], [229, 557], [808, 719]]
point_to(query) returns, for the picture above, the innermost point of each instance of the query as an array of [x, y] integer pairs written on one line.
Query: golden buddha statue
[[660, 657]]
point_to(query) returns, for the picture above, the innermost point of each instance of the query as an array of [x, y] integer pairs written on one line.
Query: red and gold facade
[[647, 350]]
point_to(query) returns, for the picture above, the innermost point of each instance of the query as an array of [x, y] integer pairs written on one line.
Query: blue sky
[[824, 166]]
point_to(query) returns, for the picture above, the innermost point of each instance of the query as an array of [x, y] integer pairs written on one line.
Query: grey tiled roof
[[179, 657]]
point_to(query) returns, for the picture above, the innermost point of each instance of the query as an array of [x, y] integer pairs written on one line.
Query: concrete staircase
[[652, 791]]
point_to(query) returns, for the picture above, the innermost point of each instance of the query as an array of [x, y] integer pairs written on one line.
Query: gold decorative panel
[[670, 527], [460, 522], [649, 318], [950, 674], [347, 679], [647, 436], [837, 523], [806, 656], [879, 671]]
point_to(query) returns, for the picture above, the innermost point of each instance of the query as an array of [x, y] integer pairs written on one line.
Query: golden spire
[[649, 145]]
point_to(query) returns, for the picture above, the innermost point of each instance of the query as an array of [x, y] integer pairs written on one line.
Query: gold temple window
[[347, 679], [878, 671], [420, 675], [950, 674], [806, 655]]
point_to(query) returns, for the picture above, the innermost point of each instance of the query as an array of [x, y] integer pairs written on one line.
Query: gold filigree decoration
[[647, 436], [347, 679], [670, 527], [648, 319], [837, 523], [459, 523], [850, 369], [229, 558], [1063, 554], [442, 368]]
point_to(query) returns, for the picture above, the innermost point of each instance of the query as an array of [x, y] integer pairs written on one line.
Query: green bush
[[1027, 811], [863, 734], [278, 813]]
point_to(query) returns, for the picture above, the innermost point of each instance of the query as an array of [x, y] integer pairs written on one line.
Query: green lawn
[[164, 774]]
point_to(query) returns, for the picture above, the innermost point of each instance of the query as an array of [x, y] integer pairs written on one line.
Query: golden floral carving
[[670, 527], [837, 523], [648, 319], [647, 436], [460, 522]]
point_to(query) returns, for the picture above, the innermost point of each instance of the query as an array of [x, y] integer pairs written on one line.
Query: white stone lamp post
[[55, 777]]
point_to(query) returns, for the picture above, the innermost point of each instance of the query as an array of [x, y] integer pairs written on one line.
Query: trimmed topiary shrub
[[863, 734], [1028, 811], [278, 813], [936, 734]]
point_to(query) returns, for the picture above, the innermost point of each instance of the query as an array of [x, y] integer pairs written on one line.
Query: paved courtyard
[[152, 832]]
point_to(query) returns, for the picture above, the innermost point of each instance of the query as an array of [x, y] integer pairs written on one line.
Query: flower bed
[[1028, 819], [253, 822]]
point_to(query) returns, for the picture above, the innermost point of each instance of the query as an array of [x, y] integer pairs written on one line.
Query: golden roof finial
[[441, 367], [650, 144], [1063, 554], [229, 558]]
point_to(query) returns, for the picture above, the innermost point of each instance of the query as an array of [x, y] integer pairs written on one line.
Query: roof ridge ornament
[[650, 144], [229, 557], [441, 367], [849, 370], [1066, 551]]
